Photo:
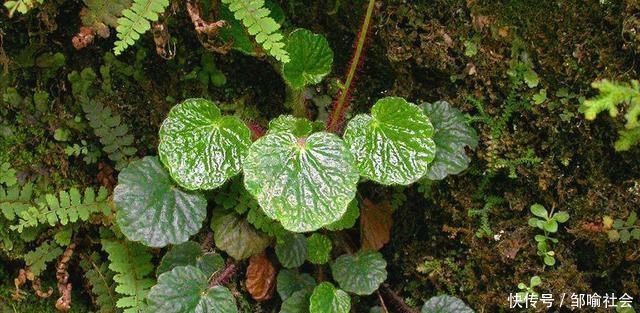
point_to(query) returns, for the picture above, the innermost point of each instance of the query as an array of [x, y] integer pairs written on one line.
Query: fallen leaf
[[375, 224], [261, 277]]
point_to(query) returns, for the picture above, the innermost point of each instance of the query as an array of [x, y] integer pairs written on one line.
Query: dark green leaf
[[361, 274], [452, 133], [235, 236], [190, 253], [292, 250], [185, 289], [290, 281], [298, 302], [319, 248], [151, 209]]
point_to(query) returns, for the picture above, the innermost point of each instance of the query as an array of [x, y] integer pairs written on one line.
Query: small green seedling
[[623, 230], [547, 222], [528, 291]]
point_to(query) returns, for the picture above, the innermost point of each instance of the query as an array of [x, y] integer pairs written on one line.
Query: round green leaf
[[297, 303], [235, 236], [303, 182], [190, 253], [311, 58], [327, 299], [185, 289], [393, 145], [200, 147], [348, 219], [300, 127], [151, 209], [292, 250], [445, 304], [319, 249], [361, 274], [290, 281], [452, 134]]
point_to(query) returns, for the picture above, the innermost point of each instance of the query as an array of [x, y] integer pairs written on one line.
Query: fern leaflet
[[255, 17], [67, 207], [101, 280], [135, 21], [132, 264], [15, 200], [37, 259]]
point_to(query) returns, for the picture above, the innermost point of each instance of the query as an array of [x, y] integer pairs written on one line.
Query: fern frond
[[255, 17], [113, 134], [67, 207], [132, 264], [101, 280], [37, 259], [15, 200], [611, 95], [135, 21]]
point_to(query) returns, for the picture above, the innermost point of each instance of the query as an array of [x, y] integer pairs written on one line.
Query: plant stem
[[336, 118]]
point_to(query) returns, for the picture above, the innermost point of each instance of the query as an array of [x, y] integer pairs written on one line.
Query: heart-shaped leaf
[[185, 289], [445, 304], [290, 281], [200, 147], [393, 145], [292, 250], [361, 274], [319, 248], [235, 236], [303, 182], [311, 58], [327, 299], [190, 253], [151, 209], [452, 134]]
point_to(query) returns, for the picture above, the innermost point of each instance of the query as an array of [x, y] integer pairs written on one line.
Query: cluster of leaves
[[547, 222], [612, 95], [528, 291], [622, 230], [100, 278]]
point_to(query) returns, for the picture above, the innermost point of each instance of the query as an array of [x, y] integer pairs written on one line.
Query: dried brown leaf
[[261, 277], [375, 224]]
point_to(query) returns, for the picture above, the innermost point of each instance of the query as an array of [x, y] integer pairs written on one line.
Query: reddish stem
[[341, 104]]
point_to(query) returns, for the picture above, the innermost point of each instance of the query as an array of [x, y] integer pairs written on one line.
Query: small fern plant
[[612, 95], [136, 21]]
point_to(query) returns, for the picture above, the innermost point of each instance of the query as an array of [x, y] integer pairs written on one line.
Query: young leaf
[[290, 281], [538, 210], [261, 278], [375, 224], [303, 182], [300, 127], [311, 59], [393, 145], [327, 299], [549, 260], [235, 236], [319, 249], [445, 304], [361, 274], [151, 209], [452, 133], [292, 251], [200, 147], [190, 253], [185, 289], [348, 219], [561, 216]]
